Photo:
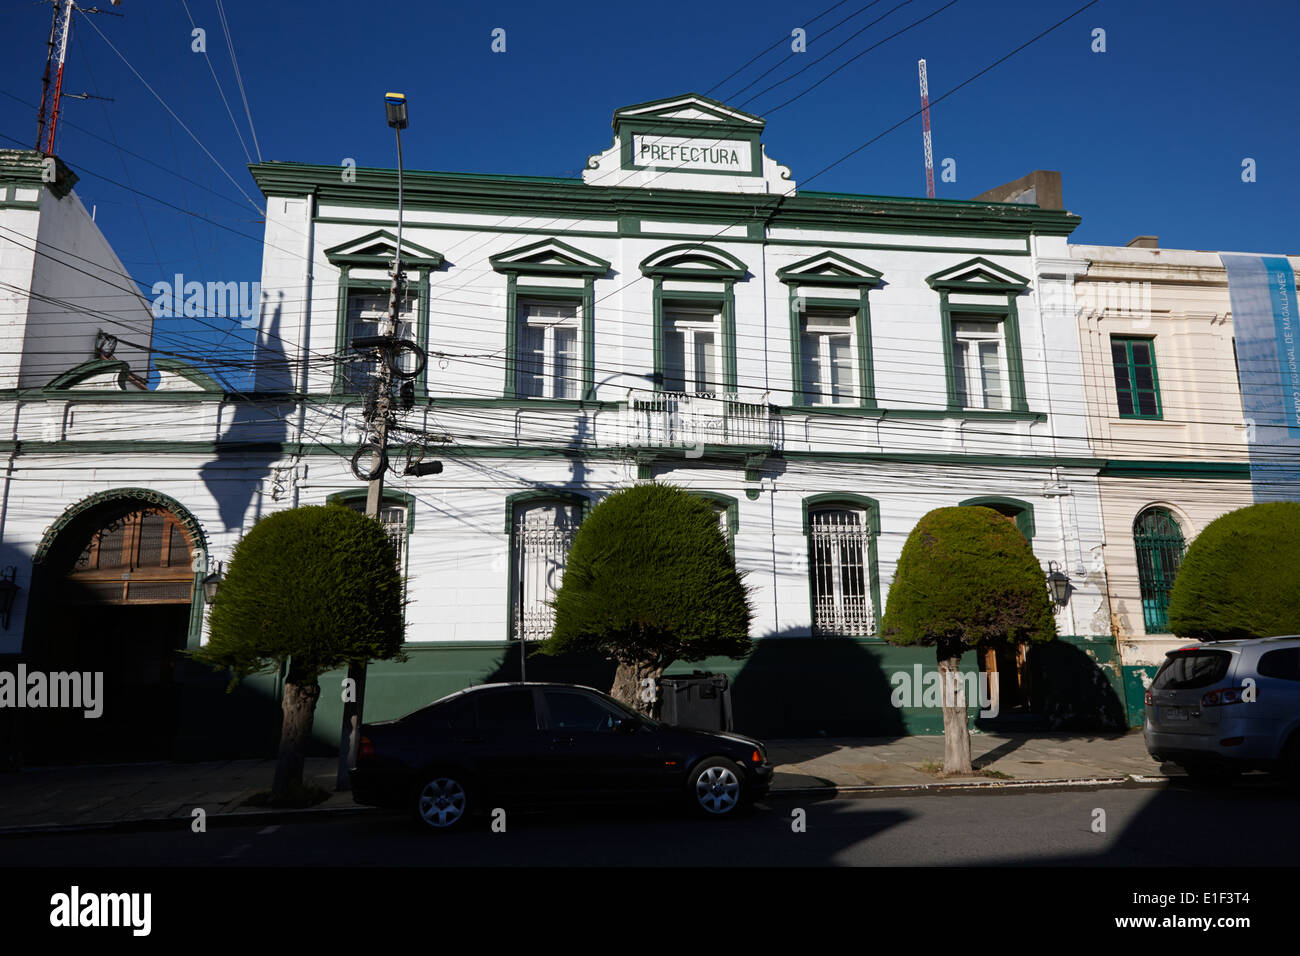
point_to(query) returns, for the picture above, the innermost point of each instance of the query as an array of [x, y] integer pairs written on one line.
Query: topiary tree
[[317, 588], [966, 579], [650, 580], [1238, 577]]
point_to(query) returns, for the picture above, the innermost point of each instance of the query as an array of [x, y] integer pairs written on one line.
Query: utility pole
[[350, 739]]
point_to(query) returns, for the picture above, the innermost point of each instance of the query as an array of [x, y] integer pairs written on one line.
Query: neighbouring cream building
[[1166, 414]]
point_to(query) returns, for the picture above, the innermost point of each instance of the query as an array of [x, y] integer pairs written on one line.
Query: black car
[[538, 743]]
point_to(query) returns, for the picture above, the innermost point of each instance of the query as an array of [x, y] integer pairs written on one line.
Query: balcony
[[694, 420]]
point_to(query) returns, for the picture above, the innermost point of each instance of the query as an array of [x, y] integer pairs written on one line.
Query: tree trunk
[[956, 736], [631, 687], [300, 695]]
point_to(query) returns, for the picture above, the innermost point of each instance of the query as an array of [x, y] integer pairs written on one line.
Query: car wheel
[[715, 788], [442, 802]]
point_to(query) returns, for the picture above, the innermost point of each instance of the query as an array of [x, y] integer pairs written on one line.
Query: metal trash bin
[[701, 701]]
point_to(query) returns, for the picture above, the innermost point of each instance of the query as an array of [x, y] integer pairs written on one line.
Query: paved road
[[1165, 825]]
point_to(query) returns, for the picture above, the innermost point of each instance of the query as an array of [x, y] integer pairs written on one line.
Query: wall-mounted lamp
[[1058, 582], [8, 592], [210, 585]]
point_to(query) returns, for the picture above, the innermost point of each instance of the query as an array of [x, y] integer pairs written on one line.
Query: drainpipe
[[304, 346], [1051, 417]]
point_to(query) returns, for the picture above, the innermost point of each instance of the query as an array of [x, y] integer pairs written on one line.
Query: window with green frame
[[1137, 388], [1159, 544]]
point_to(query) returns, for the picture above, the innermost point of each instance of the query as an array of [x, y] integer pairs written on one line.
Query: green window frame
[[1021, 512], [576, 272], [695, 262], [392, 498], [370, 252], [350, 286], [833, 548], [517, 297], [1008, 321], [1137, 384], [1159, 545], [801, 309], [517, 507]]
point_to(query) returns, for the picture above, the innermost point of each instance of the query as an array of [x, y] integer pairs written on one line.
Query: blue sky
[[1149, 136]]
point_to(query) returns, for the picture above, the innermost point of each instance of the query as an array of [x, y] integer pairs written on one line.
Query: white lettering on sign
[[726, 155]]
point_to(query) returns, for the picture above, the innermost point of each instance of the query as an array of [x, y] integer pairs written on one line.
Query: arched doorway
[[117, 595]]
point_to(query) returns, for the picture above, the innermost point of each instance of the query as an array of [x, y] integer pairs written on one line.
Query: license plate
[[1173, 713]]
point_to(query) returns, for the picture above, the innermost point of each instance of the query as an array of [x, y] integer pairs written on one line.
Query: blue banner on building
[[1267, 328]]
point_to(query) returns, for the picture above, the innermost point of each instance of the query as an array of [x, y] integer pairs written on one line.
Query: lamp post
[[350, 737]]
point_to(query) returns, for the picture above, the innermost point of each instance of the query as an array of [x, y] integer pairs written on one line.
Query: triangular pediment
[[693, 260], [829, 268], [690, 107], [378, 248], [978, 274], [550, 256]]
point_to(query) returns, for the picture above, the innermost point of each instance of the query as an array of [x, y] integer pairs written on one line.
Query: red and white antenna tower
[[49, 116], [48, 121], [925, 127]]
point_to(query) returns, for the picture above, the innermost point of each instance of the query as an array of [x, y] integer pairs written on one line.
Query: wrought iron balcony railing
[[695, 419]]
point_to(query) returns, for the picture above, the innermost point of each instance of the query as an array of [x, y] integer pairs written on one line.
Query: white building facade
[[822, 368]]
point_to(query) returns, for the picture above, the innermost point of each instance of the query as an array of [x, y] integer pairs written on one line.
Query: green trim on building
[[545, 494], [1009, 318], [860, 312], [507, 195], [205, 382], [1021, 511], [869, 505], [79, 373], [28, 167], [1131, 369], [146, 496]]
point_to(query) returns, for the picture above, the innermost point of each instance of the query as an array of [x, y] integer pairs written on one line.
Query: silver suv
[[1221, 707]]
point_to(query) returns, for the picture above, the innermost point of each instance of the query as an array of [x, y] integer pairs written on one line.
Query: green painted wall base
[[786, 688], [1135, 688]]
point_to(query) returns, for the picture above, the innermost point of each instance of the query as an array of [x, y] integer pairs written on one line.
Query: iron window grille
[[1159, 544], [839, 549]]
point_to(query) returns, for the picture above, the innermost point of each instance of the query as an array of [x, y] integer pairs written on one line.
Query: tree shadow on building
[[793, 686]]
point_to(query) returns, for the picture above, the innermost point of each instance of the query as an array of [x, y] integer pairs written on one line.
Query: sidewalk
[[167, 794]]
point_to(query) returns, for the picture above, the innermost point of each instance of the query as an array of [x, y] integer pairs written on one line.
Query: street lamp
[[8, 591], [395, 104], [211, 583], [1058, 582]]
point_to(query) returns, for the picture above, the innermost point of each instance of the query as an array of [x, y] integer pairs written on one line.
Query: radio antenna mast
[[48, 121], [925, 128]]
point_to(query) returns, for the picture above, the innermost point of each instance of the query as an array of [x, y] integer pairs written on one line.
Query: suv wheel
[[715, 788], [442, 802]]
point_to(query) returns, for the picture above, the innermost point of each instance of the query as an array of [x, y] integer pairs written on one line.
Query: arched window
[[136, 554], [1159, 544], [840, 569], [541, 535]]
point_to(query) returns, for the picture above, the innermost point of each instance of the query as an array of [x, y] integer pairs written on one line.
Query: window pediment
[[829, 269], [549, 257], [978, 275], [378, 249], [693, 260]]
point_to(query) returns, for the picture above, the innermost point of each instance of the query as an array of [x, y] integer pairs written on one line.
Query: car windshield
[[628, 711], [1187, 670]]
